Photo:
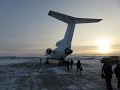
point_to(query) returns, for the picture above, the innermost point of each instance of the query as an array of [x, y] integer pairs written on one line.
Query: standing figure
[[117, 73], [103, 75], [71, 63], [40, 62], [65, 63], [107, 70], [68, 63], [78, 64]]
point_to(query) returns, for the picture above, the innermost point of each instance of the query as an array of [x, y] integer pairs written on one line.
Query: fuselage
[[63, 47]]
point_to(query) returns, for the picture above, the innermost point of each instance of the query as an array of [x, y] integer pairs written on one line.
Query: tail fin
[[70, 19]]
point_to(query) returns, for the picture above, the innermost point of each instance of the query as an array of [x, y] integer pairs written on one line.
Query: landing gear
[[61, 62], [47, 61]]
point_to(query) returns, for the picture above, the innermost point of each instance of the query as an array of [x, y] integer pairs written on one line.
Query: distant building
[[111, 60]]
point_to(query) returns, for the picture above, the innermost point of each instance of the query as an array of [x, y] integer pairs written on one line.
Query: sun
[[103, 45]]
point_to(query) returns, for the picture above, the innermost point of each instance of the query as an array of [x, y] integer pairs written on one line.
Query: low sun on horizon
[[103, 46]]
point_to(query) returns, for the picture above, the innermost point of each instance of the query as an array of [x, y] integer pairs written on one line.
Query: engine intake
[[68, 51], [49, 51]]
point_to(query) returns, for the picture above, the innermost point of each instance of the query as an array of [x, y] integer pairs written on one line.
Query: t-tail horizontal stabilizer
[[70, 19]]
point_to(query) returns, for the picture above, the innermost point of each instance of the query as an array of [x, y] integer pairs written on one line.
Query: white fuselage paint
[[59, 52]]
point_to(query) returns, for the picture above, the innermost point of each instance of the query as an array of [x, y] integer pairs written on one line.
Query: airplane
[[63, 47]]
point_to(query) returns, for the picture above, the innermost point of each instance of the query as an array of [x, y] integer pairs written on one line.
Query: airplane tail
[[70, 19]]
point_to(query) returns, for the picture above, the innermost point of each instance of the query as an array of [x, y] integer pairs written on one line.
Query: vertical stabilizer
[[71, 21], [69, 34]]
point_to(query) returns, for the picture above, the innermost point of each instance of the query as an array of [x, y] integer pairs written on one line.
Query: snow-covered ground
[[25, 74], [12, 61]]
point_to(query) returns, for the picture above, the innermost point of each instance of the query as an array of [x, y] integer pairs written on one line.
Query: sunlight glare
[[103, 45]]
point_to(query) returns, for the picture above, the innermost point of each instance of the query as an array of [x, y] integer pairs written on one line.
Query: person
[[65, 63], [40, 62], [107, 71], [79, 67], [71, 63], [68, 63], [103, 75], [117, 73]]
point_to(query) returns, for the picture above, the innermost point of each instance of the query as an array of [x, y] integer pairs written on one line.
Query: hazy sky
[[27, 30]]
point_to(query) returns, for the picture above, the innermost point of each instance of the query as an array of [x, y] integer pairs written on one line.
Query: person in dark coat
[[107, 70], [65, 63], [103, 75], [40, 62], [78, 64], [71, 63], [117, 73], [68, 64]]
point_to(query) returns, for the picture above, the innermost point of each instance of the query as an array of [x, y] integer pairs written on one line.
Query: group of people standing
[[69, 63], [107, 73]]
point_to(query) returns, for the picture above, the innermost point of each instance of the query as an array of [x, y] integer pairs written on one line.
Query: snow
[[30, 75], [44, 89], [73, 87], [58, 70], [12, 61]]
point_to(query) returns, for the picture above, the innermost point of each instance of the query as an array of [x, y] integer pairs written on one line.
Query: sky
[[27, 30]]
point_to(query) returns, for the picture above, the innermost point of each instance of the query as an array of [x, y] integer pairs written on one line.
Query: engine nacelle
[[68, 51], [49, 51]]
